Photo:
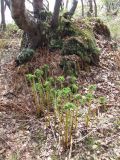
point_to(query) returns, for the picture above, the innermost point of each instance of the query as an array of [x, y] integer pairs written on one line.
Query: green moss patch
[[83, 45]]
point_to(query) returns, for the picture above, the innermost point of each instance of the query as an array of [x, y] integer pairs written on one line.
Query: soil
[[25, 137]]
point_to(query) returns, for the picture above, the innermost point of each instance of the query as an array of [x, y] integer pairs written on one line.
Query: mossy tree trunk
[[38, 31]]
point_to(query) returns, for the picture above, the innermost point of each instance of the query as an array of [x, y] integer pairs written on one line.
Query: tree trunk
[[3, 24], [90, 6], [73, 8], [95, 6], [70, 13], [55, 17], [32, 28], [37, 7], [7, 3], [82, 8]]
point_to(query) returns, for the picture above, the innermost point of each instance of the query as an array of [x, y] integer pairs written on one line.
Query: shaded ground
[[24, 137]]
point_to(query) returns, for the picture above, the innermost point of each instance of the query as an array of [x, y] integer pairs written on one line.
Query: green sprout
[[77, 98], [31, 79], [74, 88], [61, 79], [65, 100], [69, 108], [92, 88], [51, 80], [38, 86], [47, 84], [103, 101], [47, 88], [45, 70], [89, 97], [73, 79], [66, 91], [39, 73], [83, 100]]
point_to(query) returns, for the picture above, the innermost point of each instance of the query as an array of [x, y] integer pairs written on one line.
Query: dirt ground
[[24, 137]]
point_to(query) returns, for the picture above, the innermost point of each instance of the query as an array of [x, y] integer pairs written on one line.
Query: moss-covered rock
[[71, 64], [75, 38], [83, 45], [25, 56], [99, 28]]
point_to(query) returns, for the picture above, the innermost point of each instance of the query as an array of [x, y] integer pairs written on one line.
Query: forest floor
[[24, 137]]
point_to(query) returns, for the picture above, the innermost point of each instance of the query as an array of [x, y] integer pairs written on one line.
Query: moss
[[55, 44], [73, 39], [24, 56], [83, 45], [100, 28], [57, 36], [69, 66], [66, 28]]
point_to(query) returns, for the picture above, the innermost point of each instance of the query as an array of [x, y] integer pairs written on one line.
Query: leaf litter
[[24, 137]]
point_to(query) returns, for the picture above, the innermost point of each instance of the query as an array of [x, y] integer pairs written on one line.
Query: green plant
[[31, 78], [89, 98], [51, 94], [45, 69], [102, 102], [68, 122], [15, 156], [74, 88], [77, 100], [73, 79], [39, 73], [25, 56], [61, 80]]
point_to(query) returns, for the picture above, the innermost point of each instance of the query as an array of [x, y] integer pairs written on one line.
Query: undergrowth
[[62, 102]]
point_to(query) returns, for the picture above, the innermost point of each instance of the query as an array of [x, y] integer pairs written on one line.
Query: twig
[[30, 2], [53, 134], [86, 136]]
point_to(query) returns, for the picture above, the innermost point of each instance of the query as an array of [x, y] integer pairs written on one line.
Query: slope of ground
[[24, 137]]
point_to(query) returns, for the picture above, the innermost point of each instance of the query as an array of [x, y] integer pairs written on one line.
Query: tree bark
[[22, 18], [71, 12], [27, 23], [55, 17], [7, 3], [73, 8], [37, 7], [3, 23], [95, 6]]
